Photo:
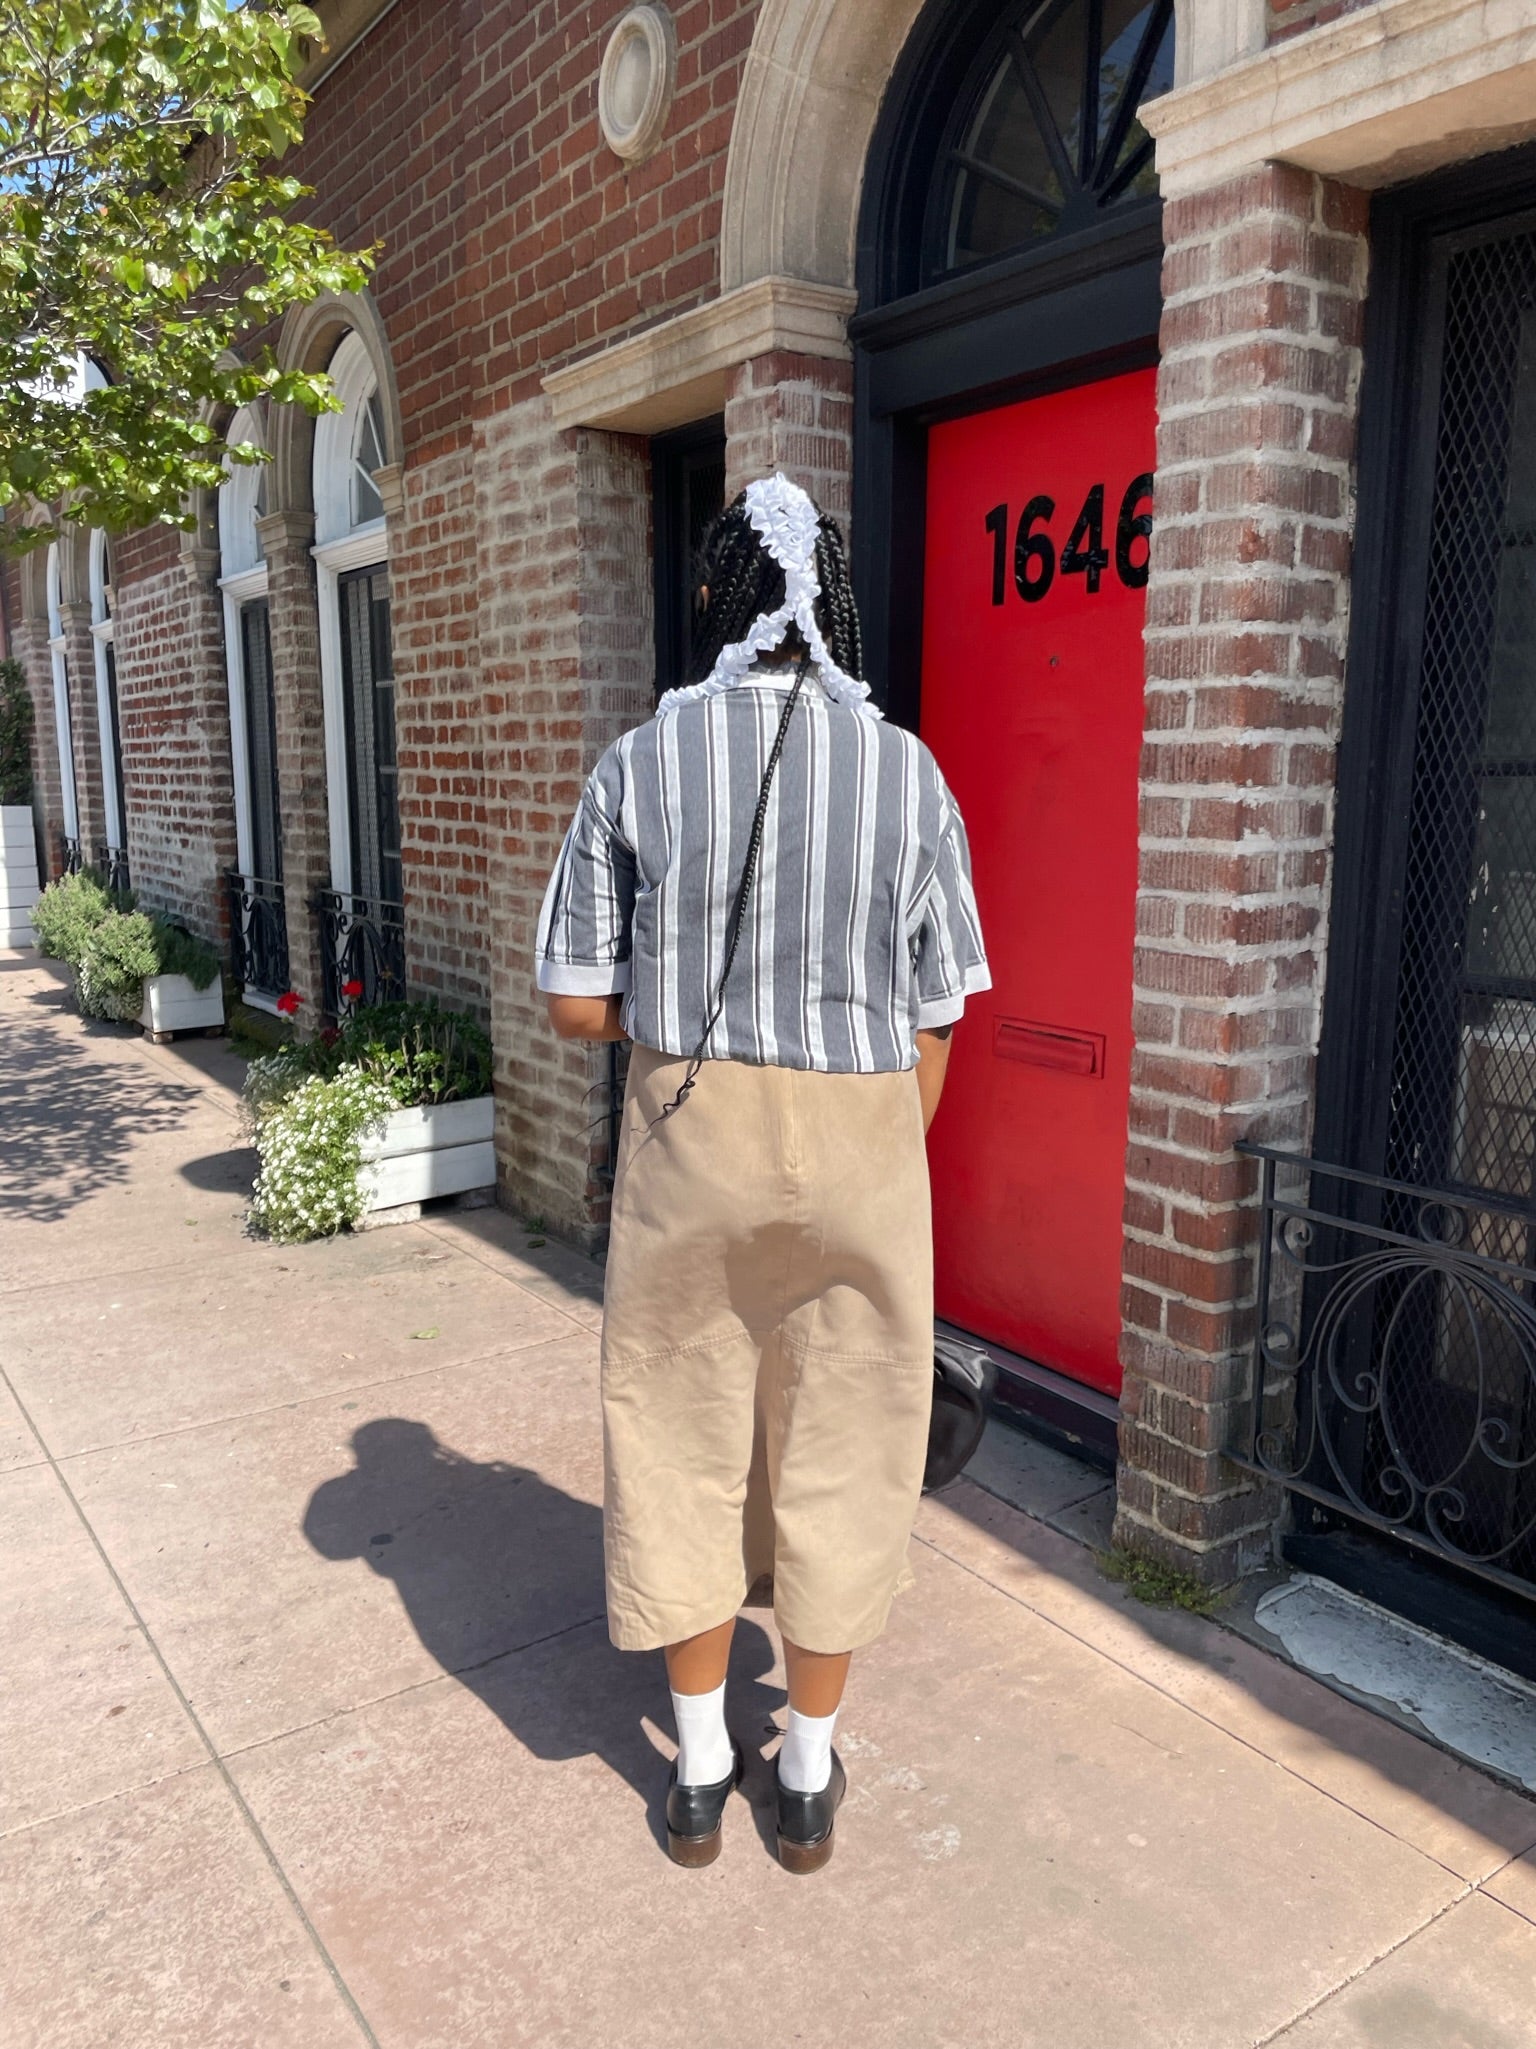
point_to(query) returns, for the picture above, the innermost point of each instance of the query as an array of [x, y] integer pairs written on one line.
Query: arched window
[[113, 858], [349, 448], [62, 723], [363, 911], [258, 924], [1044, 137]]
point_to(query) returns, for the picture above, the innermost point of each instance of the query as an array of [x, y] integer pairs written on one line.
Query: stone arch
[[309, 339], [810, 95], [814, 79]]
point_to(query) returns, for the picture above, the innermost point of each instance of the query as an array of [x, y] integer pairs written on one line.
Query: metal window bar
[[112, 864], [258, 933], [362, 943], [74, 859], [1394, 1367]]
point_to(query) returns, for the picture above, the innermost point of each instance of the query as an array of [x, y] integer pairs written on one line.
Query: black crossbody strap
[[743, 891]]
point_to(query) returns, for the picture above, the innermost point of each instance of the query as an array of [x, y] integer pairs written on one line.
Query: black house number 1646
[[1034, 552]]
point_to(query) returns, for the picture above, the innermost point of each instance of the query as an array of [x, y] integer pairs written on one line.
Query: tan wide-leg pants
[[767, 1350]]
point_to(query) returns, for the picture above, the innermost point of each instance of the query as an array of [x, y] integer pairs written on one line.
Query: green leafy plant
[[1160, 1586], [67, 913], [310, 1105], [117, 956], [180, 952], [144, 225], [423, 1055], [112, 946], [310, 1139], [15, 734]]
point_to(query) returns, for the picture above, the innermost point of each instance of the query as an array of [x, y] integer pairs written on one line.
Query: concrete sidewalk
[[313, 1736]]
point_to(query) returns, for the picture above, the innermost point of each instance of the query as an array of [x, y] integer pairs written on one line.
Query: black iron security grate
[[1463, 1088], [258, 933], [1395, 1371]]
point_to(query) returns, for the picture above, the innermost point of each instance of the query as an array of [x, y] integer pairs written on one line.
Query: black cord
[[743, 891]]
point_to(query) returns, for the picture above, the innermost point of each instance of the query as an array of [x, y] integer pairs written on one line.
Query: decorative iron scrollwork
[[258, 933], [1395, 1364], [362, 950]]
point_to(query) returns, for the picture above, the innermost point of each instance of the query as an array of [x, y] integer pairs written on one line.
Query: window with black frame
[[1045, 138], [688, 490]]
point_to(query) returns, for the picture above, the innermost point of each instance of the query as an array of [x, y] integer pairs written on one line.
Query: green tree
[[145, 224]]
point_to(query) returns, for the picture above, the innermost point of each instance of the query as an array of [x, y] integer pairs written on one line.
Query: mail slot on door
[[1039, 1045]]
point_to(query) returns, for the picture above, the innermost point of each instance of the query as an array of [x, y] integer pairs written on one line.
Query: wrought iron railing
[[111, 864], [1395, 1362], [612, 1087], [362, 950], [74, 859], [258, 933]]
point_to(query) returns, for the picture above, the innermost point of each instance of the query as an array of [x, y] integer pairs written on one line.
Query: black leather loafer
[[694, 1815], [805, 1822]]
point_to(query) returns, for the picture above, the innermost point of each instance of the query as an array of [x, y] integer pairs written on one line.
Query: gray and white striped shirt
[[861, 927]]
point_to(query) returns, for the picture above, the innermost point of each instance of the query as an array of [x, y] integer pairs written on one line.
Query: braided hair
[[744, 581]]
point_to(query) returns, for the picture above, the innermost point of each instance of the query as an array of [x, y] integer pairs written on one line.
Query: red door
[[1038, 515]]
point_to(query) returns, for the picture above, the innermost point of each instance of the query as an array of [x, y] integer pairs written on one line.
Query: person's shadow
[[491, 1560]]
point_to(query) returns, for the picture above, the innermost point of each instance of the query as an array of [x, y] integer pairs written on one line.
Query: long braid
[[743, 891], [744, 582]]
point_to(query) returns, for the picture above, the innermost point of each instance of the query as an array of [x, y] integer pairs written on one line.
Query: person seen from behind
[[767, 888]]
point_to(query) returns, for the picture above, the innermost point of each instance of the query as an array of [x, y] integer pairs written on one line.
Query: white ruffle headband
[[785, 520]]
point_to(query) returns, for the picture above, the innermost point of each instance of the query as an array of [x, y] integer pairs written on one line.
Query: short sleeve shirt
[[861, 927]]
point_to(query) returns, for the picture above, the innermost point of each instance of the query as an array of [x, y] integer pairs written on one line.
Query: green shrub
[[117, 956], [112, 947], [309, 1140], [67, 913], [15, 734], [423, 1055]]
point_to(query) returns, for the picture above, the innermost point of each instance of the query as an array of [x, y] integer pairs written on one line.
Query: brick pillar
[[173, 700], [85, 726], [299, 708], [1264, 281], [434, 574], [567, 654], [29, 644], [792, 413]]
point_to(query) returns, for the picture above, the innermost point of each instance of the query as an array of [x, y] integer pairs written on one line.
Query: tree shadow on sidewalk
[[71, 1122], [492, 1562]]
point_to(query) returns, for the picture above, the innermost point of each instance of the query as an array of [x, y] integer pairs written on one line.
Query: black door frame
[[1399, 419], [1078, 308]]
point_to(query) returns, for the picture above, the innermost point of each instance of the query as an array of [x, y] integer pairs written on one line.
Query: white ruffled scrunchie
[[785, 520]]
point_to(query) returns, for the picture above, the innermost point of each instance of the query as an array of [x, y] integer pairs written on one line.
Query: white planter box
[[19, 889], [445, 1149], [171, 1004]]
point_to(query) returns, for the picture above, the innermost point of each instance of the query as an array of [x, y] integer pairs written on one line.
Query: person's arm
[[594, 1018], [932, 1066]]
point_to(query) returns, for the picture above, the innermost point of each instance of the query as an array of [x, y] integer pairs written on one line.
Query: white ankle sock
[[805, 1761], [704, 1754]]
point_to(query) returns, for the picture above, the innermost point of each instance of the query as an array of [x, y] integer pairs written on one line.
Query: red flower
[[329, 1035], [288, 1003], [352, 990]]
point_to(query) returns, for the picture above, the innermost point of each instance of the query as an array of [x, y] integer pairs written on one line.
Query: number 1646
[[1034, 552]]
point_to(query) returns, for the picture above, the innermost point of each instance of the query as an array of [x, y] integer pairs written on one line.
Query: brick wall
[[173, 704], [1246, 622], [434, 569], [1292, 17], [793, 413], [566, 659]]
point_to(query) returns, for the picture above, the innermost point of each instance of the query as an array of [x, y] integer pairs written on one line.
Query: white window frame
[[101, 636], [244, 579], [62, 723], [340, 547]]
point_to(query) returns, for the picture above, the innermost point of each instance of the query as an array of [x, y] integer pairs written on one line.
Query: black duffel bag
[[964, 1377]]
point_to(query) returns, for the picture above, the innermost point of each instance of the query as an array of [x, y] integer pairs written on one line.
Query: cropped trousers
[[767, 1356]]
